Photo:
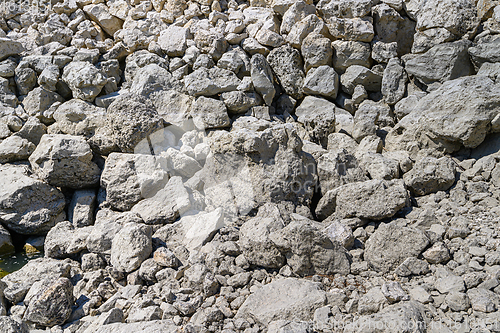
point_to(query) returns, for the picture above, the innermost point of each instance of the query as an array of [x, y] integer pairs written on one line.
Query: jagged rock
[[131, 246], [458, 113], [350, 53], [82, 207], [64, 240], [372, 199], [128, 178], [100, 13], [9, 47], [316, 50], [77, 117], [49, 77], [485, 53], [390, 245], [209, 82], [15, 148], [84, 80], [337, 168], [164, 326], [6, 245], [210, 113], [359, 75], [238, 102], [323, 81], [9, 325], [318, 117], [28, 206], [441, 63], [309, 250], [287, 63], [394, 82], [430, 175], [39, 101], [262, 78], [292, 299]]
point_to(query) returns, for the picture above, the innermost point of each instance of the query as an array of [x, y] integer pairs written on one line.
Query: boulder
[[131, 246], [82, 207], [394, 82], [6, 245], [64, 240], [128, 178], [359, 75], [100, 14], [349, 53], [15, 148], [372, 199], [262, 78], [9, 47], [338, 167], [323, 81], [441, 63], [28, 206], [209, 82], [291, 299], [430, 175], [39, 101], [78, 117], [316, 50], [287, 64], [84, 80], [209, 113], [458, 113], [65, 161], [52, 305], [391, 244], [318, 117], [485, 53]]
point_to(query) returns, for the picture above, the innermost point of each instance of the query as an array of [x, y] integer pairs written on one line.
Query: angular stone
[[209, 113], [394, 82], [209, 82], [15, 148], [359, 75], [349, 53], [322, 81], [84, 80], [64, 240], [316, 50], [9, 47], [430, 175], [100, 13], [262, 78], [131, 246], [174, 40], [318, 117], [286, 62]]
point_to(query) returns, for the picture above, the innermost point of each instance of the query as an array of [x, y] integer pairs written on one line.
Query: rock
[[394, 292], [450, 283], [485, 53], [150, 80], [32, 130], [430, 175], [483, 300], [322, 81], [81, 208], [338, 167], [6, 245], [355, 29], [392, 27], [209, 113], [390, 245], [77, 117], [9, 325], [341, 233], [164, 326], [15, 148], [350, 53], [181, 164], [457, 113], [39, 101], [84, 80], [286, 62], [239, 102], [209, 82], [372, 199], [262, 78], [437, 254], [52, 305], [9, 48], [100, 13], [300, 30], [128, 178], [64, 240], [192, 231], [296, 12], [49, 77], [359, 75], [457, 301], [316, 50], [166, 205], [131, 246], [441, 63], [318, 117], [309, 250], [394, 82], [292, 298], [20, 281], [28, 206], [379, 166], [404, 314], [66, 161], [129, 120]]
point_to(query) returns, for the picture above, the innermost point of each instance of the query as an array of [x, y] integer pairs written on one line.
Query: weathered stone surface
[[316, 50], [9, 325], [291, 298], [65, 161], [372, 199], [349, 53], [209, 113], [209, 82], [6, 245], [15, 148], [430, 175], [318, 117], [28, 206], [131, 246], [359, 75], [394, 82], [84, 80], [262, 78], [287, 63], [323, 81], [164, 326], [9, 47], [64, 240], [390, 245], [458, 113]]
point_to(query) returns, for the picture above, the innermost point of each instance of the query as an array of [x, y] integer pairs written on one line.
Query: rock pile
[[251, 166]]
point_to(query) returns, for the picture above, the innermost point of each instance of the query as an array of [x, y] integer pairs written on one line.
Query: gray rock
[[38, 102], [341, 233], [64, 240], [359, 75], [100, 13], [349, 53], [166, 205], [9, 325], [209, 82], [287, 63], [394, 82], [292, 299], [131, 246], [483, 300], [394, 292], [390, 245], [379, 167], [239, 102], [128, 178], [316, 50], [437, 254], [372, 199], [6, 246], [52, 305], [457, 301], [309, 250], [15, 148], [84, 80], [262, 78], [485, 52], [430, 175], [337, 168], [26, 80], [77, 117], [28, 206], [458, 113], [323, 81], [81, 208], [151, 79], [355, 29], [441, 63], [209, 113], [66, 161], [412, 266], [155, 326], [49, 77], [9, 47], [318, 117], [450, 283]]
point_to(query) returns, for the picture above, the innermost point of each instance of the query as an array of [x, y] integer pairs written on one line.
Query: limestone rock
[[131, 246]]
